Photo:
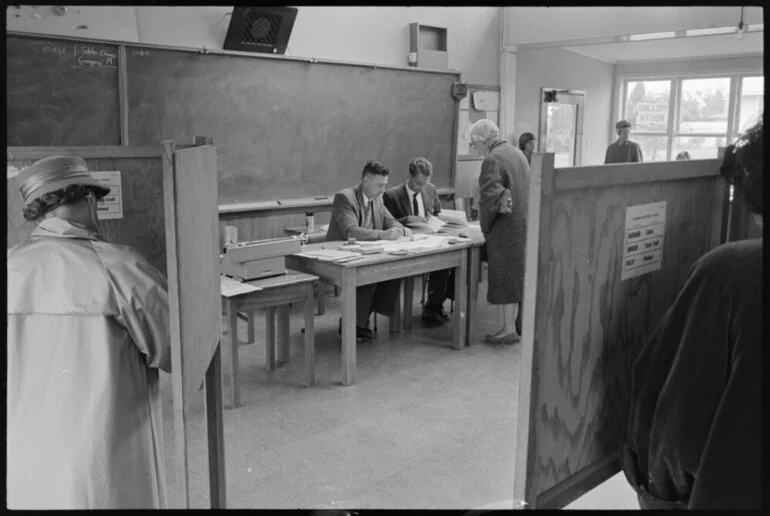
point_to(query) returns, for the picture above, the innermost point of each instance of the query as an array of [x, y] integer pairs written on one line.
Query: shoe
[[434, 315], [509, 338], [361, 333]]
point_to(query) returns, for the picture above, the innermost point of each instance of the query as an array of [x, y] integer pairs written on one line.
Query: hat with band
[[55, 173], [622, 123]]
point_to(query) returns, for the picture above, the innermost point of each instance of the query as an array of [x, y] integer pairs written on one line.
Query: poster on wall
[[111, 205], [643, 239]]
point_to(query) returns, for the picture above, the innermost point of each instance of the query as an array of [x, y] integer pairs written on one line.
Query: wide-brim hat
[[54, 173]]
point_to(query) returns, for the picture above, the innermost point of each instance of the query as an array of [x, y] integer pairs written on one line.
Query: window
[[751, 102], [703, 106], [696, 114]]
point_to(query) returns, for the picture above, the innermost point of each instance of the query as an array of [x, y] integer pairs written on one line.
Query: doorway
[[561, 125]]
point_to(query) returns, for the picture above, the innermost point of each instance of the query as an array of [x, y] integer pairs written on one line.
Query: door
[[561, 125]]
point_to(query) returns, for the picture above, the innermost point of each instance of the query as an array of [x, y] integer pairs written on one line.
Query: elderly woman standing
[[503, 189]]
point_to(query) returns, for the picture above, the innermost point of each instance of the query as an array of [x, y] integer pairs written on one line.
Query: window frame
[[674, 109]]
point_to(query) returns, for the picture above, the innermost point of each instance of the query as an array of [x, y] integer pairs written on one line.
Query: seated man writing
[[358, 212], [415, 201]]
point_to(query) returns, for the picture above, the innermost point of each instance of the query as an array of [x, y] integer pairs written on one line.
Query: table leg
[[348, 329], [321, 295], [270, 338], [283, 334], [309, 341], [461, 280], [250, 326], [408, 300], [235, 394], [394, 322], [474, 268]]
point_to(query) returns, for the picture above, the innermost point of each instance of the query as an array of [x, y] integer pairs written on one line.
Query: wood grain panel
[[258, 225], [193, 218], [590, 325], [142, 225]]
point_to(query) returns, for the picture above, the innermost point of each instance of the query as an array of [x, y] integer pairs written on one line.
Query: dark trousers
[[380, 298], [441, 286]]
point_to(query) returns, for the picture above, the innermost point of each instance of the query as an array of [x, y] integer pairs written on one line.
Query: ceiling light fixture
[[739, 34]]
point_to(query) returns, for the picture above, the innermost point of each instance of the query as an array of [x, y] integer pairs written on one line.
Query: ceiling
[[593, 31], [724, 45]]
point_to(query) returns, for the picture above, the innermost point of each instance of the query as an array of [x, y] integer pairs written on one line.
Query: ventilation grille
[[261, 29]]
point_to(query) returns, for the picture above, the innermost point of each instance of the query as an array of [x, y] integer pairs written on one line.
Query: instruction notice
[[111, 205], [643, 240]]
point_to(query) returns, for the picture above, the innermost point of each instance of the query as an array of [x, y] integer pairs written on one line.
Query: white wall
[[570, 71], [377, 35]]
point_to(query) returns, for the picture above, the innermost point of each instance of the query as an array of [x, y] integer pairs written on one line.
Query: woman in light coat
[[87, 332]]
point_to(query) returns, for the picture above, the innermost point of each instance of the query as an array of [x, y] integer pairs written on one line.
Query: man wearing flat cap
[[623, 150], [87, 332]]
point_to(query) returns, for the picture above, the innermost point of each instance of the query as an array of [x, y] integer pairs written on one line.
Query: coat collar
[[496, 144], [58, 227]]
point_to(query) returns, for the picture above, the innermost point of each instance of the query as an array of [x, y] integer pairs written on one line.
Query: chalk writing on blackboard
[[139, 52], [88, 56], [54, 49]]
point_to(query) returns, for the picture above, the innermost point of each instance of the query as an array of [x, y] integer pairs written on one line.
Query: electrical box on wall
[[428, 46]]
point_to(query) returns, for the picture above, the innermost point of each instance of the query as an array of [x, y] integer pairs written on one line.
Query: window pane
[[699, 147], [647, 105], [653, 147], [752, 102], [704, 105], [561, 124]]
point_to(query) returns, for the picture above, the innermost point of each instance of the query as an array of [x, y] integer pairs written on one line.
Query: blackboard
[[289, 128], [61, 93], [283, 128]]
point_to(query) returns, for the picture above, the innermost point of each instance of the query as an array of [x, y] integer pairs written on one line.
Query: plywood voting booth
[[608, 249], [167, 198]]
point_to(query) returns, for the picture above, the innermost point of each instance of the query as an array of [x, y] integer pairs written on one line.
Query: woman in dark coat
[[694, 434], [503, 190]]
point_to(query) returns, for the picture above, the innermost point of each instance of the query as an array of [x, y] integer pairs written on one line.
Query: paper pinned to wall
[[643, 239], [111, 205]]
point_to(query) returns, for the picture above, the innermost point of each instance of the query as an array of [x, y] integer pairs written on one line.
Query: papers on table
[[330, 255], [433, 225], [456, 218], [230, 287], [425, 243]]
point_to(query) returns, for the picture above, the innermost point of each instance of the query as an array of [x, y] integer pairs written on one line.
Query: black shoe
[[435, 315], [364, 332]]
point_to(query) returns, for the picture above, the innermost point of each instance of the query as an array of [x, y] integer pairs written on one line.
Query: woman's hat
[[54, 173], [622, 123]]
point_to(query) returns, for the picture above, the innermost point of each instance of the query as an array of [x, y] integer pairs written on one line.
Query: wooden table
[[382, 267], [473, 231], [276, 294]]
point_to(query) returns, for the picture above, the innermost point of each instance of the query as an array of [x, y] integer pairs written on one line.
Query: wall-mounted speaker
[[260, 29]]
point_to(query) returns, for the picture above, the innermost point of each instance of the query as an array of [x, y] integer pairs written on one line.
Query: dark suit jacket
[[399, 203], [347, 216]]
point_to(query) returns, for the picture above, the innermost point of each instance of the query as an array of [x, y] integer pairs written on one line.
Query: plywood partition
[[268, 219], [141, 226], [583, 326]]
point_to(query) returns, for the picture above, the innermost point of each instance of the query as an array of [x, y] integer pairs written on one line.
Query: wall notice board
[[283, 128]]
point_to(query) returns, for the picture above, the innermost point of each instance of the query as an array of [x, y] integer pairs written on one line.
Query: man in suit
[[414, 201], [358, 212]]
